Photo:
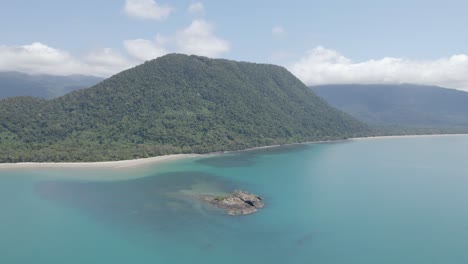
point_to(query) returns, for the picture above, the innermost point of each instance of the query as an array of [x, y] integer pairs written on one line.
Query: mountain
[[402, 107], [43, 86], [174, 104]]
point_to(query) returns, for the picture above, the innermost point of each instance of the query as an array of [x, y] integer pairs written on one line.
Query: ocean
[[390, 200]]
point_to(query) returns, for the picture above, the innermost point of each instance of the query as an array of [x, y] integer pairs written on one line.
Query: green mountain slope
[[43, 86], [174, 104], [411, 108]]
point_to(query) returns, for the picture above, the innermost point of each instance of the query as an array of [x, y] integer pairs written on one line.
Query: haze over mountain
[[406, 105], [174, 104], [43, 86]]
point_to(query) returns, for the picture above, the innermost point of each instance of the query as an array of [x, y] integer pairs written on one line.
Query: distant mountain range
[[174, 104], [42, 86], [394, 107]]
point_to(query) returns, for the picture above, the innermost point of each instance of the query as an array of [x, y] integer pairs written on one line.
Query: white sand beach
[[106, 164]]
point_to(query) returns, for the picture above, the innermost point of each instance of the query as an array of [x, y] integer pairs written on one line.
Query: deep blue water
[[401, 200]]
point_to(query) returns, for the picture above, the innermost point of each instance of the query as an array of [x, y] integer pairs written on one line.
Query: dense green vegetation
[[174, 104], [43, 86], [401, 109]]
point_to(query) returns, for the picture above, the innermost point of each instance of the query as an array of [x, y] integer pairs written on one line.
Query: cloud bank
[[147, 9], [198, 38], [318, 66], [38, 58], [325, 66]]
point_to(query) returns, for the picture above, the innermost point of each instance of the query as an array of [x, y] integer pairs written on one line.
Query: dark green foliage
[[401, 109], [43, 86], [174, 104]]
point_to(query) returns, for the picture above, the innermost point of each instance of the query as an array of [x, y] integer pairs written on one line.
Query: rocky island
[[237, 203]]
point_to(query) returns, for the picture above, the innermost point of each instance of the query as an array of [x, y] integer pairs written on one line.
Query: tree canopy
[[174, 104]]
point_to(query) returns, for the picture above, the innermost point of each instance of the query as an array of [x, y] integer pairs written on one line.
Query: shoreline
[[119, 164], [406, 136], [124, 164]]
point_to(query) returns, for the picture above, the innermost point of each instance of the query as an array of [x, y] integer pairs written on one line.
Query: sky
[[321, 42]]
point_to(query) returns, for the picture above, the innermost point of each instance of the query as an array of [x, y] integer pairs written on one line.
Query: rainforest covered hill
[[173, 104]]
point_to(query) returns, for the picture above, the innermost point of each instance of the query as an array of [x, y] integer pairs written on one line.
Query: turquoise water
[[401, 200]]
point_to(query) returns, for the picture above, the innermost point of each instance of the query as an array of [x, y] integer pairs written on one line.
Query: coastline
[[120, 164], [124, 164], [405, 136]]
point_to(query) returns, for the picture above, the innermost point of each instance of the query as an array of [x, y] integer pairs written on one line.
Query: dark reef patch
[[162, 202]]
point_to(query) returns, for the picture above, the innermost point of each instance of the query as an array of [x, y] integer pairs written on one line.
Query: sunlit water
[[402, 200]]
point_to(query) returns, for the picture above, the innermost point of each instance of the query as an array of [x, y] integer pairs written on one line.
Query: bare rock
[[238, 203]]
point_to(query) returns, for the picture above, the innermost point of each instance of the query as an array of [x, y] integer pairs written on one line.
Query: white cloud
[[147, 9], [197, 8], [198, 39], [143, 49], [278, 31], [34, 57], [105, 62], [38, 58], [324, 66]]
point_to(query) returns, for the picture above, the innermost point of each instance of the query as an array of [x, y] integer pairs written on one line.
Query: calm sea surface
[[401, 200]]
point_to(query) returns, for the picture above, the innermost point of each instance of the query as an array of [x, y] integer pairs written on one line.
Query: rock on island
[[237, 203]]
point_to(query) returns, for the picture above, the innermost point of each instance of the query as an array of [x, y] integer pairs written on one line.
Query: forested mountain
[[414, 108], [43, 86], [174, 104]]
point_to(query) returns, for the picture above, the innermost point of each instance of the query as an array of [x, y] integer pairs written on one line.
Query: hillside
[[42, 86], [411, 108], [174, 104]]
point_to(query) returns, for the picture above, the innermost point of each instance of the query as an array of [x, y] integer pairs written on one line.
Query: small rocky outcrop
[[238, 203]]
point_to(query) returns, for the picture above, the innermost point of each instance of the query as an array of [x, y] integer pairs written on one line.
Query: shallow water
[[400, 200]]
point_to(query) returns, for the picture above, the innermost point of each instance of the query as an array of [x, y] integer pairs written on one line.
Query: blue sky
[[319, 41]]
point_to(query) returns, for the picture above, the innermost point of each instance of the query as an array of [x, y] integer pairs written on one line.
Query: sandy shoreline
[[161, 159], [121, 164]]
